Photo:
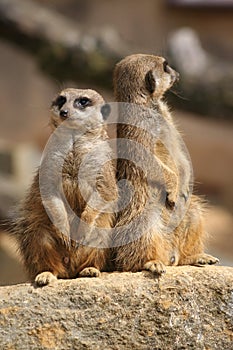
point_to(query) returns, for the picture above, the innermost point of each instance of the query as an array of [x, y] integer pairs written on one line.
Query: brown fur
[[47, 253], [143, 80]]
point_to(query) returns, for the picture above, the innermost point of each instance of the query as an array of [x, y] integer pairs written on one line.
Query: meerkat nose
[[64, 113]]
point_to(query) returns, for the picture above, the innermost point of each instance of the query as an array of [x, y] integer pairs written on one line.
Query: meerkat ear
[[150, 81], [105, 110]]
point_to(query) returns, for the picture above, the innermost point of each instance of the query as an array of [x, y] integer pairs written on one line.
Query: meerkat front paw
[[205, 259], [44, 278], [170, 201], [90, 272], [156, 267]]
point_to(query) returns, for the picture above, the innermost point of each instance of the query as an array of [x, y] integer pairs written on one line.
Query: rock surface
[[188, 308]]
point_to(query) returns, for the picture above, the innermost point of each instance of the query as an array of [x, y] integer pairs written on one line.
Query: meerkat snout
[[64, 113], [167, 69], [79, 108], [160, 80]]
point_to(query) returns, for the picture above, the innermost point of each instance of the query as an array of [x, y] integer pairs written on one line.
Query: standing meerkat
[[50, 240], [141, 80]]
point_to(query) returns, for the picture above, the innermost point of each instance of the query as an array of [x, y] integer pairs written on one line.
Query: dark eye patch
[[59, 102], [82, 102]]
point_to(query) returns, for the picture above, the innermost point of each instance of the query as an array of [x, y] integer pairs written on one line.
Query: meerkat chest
[[82, 166], [71, 166]]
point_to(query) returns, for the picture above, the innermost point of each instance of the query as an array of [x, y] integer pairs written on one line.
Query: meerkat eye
[[165, 67], [59, 102], [82, 102]]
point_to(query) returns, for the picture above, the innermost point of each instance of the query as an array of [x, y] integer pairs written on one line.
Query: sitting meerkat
[[54, 245], [141, 80]]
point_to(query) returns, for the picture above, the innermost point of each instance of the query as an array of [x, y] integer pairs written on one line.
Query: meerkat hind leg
[[44, 278], [89, 272], [200, 260], [154, 266]]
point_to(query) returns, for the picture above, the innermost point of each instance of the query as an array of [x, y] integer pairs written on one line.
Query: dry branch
[[67, 54], [57, 43]]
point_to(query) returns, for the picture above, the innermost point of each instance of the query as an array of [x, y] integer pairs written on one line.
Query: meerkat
[[142, 80], [50, 240]]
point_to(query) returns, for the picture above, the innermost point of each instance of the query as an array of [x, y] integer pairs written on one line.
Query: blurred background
[[46, 45]]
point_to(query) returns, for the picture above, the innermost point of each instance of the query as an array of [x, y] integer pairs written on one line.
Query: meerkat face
[[79, 108], [139, 77]]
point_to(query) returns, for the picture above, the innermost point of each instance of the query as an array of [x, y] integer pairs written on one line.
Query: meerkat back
[[142, 80]]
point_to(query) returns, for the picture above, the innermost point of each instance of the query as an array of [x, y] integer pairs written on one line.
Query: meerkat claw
[[45, 278], [156, 267], [206, 259], [90, 272]]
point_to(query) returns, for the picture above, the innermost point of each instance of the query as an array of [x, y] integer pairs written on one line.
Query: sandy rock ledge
[[188, 308]]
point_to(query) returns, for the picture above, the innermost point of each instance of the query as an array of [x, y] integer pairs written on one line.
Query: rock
[[187, 308]]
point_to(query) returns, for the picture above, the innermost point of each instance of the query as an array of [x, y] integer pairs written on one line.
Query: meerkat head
[[79, 108], [140, 77]]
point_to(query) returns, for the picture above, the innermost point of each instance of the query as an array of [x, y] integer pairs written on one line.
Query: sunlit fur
[[46, 252], [155, 248]]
